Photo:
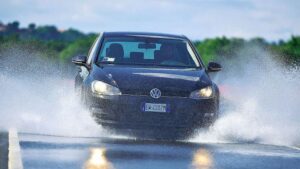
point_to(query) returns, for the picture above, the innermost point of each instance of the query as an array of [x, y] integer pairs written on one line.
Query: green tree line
[[64, 44]]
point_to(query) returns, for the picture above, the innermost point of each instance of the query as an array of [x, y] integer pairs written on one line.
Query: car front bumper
[[125, 112]]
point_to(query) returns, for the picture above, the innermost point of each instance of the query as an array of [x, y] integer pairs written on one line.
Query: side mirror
[[79, 60], [214, 67]]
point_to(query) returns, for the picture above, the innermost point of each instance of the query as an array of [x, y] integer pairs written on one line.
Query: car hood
[[140, 80]]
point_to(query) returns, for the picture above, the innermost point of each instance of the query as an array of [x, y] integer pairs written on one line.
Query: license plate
[[156, 107]]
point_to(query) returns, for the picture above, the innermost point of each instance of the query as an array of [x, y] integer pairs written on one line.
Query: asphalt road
[[50, 152], [3, 150]]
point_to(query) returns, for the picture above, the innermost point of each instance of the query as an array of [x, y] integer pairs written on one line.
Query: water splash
[[37, 97], [259, 101]]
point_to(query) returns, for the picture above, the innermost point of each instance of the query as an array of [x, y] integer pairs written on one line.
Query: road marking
[[14, 151]]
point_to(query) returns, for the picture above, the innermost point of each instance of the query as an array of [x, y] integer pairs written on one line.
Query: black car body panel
[[127, 111], [172, 82], [143, 34]]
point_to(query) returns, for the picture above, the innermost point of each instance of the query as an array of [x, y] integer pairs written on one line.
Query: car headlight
[[102, 88], [206, 92]]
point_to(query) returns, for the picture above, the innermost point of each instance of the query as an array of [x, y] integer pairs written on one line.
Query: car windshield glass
[[147, 51]]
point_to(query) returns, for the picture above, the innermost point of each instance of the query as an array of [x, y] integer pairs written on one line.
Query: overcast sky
[[198, 19]]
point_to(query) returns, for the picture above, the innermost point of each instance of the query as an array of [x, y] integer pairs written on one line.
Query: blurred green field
[[62, 45]]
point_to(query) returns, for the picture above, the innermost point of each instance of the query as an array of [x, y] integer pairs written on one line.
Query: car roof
[[144, 34]]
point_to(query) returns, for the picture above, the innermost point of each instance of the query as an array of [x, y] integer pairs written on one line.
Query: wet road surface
[[51, 152], [3, 150]]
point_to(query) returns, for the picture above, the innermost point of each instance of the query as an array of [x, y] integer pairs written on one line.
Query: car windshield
[[148, 52]]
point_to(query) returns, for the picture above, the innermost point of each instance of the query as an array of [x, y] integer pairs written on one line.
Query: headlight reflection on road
[[202, 159], [98, 160]]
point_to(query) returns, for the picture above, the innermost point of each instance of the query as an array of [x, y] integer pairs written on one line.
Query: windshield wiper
[[143, 64]]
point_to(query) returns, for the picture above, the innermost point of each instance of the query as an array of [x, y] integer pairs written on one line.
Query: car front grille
[[163, 93]]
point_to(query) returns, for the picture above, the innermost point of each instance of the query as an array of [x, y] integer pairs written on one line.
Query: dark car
[[147, 84]]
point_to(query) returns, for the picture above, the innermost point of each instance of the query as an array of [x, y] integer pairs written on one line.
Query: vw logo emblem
[[155, 93]]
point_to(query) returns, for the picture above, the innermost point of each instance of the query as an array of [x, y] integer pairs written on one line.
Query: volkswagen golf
[[149, 85]]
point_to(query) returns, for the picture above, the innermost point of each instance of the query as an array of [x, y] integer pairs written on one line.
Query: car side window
[[93, 50]]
